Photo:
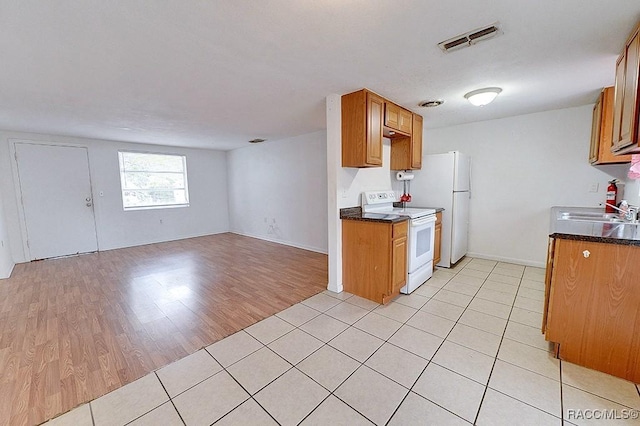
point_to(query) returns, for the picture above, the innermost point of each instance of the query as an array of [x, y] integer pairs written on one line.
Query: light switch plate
[[594, 187]]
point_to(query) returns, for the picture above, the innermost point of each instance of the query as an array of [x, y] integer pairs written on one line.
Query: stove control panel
[[378, 197]]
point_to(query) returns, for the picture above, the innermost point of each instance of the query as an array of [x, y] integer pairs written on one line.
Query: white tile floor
[[465, 348]]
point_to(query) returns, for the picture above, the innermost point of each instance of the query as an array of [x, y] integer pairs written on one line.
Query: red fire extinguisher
[[612, 193]]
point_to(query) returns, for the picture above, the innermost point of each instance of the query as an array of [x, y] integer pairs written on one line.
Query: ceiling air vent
[[470, 38]]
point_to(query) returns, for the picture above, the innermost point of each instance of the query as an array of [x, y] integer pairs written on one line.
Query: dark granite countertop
[[355, 213], [583, 230]]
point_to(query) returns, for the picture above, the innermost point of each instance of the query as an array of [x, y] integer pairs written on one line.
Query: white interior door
[[55, 185]]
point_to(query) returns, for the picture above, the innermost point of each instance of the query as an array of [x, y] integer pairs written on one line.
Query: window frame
[[122, 171]]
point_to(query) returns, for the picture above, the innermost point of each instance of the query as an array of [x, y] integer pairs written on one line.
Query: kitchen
[[524, 163]]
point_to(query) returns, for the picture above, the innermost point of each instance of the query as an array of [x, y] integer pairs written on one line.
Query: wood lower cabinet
[[374, 258], [437, 240], [366, 119], [591, 305], [362, 118], [627, 97], [602, 132]]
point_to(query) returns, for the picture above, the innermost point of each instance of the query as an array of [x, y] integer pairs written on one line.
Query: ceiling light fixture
[[484, 96], [257, 140]]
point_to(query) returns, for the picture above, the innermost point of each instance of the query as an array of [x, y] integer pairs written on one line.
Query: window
[[153, 180]]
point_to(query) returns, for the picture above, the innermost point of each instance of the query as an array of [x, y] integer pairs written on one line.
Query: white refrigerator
[[445, 181]]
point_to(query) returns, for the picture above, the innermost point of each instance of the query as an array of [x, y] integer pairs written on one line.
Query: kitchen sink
[[593, 222], [591, 217]]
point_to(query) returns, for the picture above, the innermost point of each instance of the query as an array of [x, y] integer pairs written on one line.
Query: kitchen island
[[592, 291]]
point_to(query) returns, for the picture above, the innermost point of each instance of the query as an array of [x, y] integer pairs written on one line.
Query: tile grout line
[[495, 359], [369, 311], [171, 399], [157, 406], [431, 360], [362, 364], [93, 421], [249, 393]]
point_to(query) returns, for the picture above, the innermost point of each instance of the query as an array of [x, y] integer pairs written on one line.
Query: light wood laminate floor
[[76, 328]]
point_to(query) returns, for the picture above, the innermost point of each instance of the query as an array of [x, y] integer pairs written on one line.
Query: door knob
[[586, 254], [89, 204], [88, 199]]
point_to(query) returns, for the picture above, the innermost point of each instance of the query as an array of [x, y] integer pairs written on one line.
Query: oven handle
[[423, 220]]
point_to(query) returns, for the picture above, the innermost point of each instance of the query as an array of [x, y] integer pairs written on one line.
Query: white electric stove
[[420, 241]]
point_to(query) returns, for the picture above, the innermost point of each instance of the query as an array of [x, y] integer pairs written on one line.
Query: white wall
[[6, 260], [521, 167], [207, 213], [632, 191], [278, 191]]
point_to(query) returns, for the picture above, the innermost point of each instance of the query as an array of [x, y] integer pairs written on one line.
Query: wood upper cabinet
[[416, 142], [406, 151], [437, 240], [374, 258], [366, 119], [397, 118], [591, 307], [626, 108], [362, 120], [602, 132]]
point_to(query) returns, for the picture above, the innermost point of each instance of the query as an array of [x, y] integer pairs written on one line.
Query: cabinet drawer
[[400, 229]]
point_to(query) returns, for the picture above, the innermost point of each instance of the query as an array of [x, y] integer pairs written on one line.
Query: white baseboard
[[508, 260], [7, 274], [286, 243]]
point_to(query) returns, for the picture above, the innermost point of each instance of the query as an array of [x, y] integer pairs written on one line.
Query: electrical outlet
[[344, 192], [594, 187]]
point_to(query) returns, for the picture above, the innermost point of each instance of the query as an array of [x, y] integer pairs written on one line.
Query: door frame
[[18, 189]]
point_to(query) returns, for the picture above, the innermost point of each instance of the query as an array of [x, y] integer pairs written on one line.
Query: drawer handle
[[586, 254]]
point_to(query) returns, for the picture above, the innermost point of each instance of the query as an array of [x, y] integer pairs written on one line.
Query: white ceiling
[[215, 74]]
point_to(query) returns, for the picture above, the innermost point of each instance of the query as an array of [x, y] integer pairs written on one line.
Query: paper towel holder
[[404, 176]]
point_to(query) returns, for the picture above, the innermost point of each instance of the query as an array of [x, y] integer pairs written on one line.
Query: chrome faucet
[[631, 214]]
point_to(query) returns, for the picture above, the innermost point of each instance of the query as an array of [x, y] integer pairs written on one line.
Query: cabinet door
[[547, 283], [416, 142], [618, 100], [595, 131], [593, 306], [602, 127], [375, 111], [628, 120], [398, 264], [406, 121], [392, 115], [437, 244]]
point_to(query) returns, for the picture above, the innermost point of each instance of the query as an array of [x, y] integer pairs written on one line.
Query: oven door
[[421, 238]]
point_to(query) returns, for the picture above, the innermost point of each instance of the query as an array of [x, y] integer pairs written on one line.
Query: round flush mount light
[[484, 96], [257, 140], [431, 104]]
